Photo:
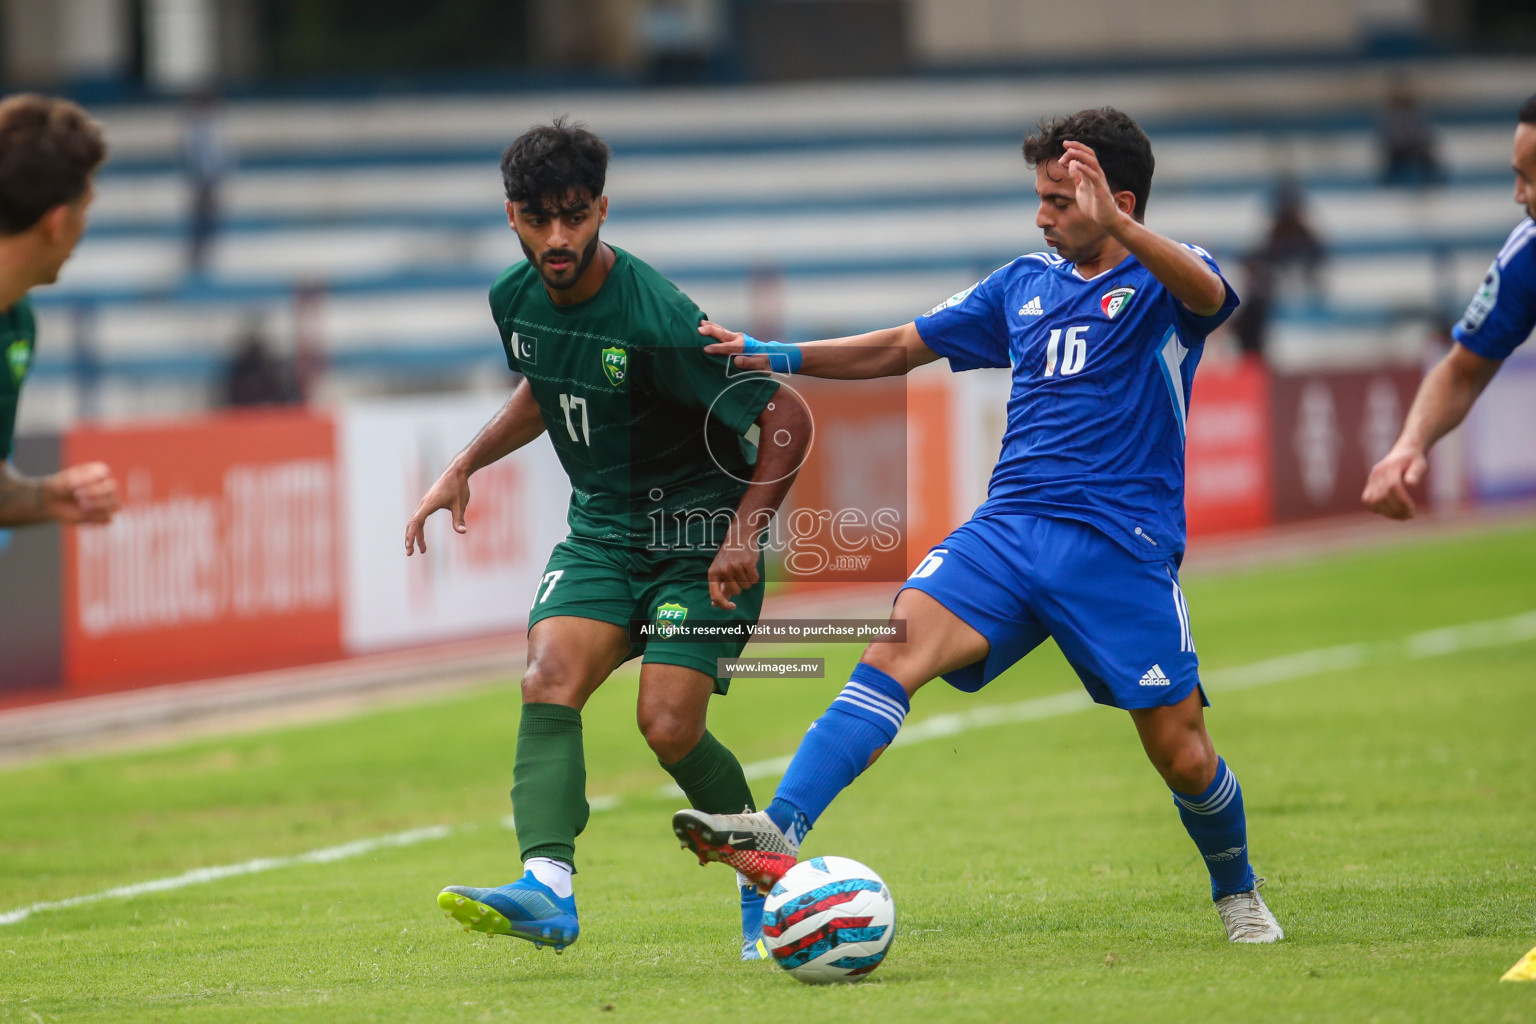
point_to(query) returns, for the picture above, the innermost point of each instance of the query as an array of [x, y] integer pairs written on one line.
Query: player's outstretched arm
[[784, 435], [1179, 270], [1444, 399], [514, 425], [86, 493], [889, 352]]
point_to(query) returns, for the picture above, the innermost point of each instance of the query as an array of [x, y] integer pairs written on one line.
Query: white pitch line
[[1429, 644], [1286, 667], [199, 876]]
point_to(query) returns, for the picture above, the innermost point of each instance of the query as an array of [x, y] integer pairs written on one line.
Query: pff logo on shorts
[[615, 365], [668, 617]]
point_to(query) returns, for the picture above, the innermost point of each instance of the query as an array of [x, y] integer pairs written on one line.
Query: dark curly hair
[[48, 150], [1123, 149], [1528, 111], [549, 162]]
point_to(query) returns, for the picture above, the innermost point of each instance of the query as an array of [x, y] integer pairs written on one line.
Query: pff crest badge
[[19, 357], [1114, 300], [668, 617], [615, 365]]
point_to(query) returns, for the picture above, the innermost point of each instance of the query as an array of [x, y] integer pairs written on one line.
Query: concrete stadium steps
[[822, 208], [1224, 99], [981, 234], [1365, 302], [465, 195]]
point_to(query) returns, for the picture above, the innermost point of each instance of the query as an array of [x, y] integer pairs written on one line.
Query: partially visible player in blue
[[1500, 317], [1082, 532]]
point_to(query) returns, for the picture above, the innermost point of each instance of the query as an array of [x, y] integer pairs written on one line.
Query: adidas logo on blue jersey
[[1032, 308], [1155, 677]]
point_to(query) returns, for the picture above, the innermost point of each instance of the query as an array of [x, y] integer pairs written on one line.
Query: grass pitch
[[1039, 868]]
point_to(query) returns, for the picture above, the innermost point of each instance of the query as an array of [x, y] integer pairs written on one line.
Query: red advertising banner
[[1227, 450], [1330, 428], [931, 469], [223, 559], [845, 519]]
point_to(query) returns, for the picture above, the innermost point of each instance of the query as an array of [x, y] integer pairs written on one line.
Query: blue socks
[[861, 722], [1215, 821], [868, 713]]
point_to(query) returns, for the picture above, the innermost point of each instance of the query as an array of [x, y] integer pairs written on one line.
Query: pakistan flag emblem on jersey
[[669, 616], [615, 365], [18, 357]]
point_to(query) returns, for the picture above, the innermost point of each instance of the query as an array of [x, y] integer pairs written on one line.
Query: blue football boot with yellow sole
[[526, 909]]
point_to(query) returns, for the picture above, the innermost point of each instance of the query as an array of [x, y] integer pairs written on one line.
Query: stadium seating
[[802, 210]]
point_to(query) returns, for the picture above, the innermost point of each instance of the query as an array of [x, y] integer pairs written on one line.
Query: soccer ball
[[829, 919]]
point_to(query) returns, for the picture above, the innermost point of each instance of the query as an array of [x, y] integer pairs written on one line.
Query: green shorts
[[611, 583]]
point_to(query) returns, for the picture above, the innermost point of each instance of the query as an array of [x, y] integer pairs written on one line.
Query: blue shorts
[[1016, 579]]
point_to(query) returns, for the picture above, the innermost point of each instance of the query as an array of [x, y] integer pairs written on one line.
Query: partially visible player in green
[[652, 432], [49, 151]]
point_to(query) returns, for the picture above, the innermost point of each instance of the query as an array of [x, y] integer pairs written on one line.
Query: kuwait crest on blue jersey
[[1114, 300]]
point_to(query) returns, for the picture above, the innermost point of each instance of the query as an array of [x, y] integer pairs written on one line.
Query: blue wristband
[[782, 356]]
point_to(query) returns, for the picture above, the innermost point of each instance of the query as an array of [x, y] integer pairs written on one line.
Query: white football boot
[[1247, 917], [750, 842]]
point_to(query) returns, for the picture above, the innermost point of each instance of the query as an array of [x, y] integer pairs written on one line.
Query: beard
[[567, 278], [1081, 250]]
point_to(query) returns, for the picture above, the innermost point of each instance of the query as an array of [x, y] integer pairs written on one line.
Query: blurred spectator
[[1292, 244], [1250, 324], [679, 38], [255, 376], [1407, 142], [206, 159]]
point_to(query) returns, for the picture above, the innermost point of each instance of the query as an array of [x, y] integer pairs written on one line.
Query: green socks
[[549, 782], [711, 778]]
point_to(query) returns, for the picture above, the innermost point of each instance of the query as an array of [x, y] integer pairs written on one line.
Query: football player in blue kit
[[1082, 533], [1500, 317]]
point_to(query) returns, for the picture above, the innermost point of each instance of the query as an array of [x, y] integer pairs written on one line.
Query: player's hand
[[86, 493], [733, 570], [450, 492], [1386, 490], [731, 343], [1093, 195]]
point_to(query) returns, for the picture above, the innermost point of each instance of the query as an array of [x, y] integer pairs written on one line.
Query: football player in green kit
[[49, 150], [651, 431]]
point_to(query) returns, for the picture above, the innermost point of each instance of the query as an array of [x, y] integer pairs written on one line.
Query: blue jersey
[[1503, 312], [1101, 387]]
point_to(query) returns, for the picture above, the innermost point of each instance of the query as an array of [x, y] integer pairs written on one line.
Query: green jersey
[[18, 338], [649, 428]]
